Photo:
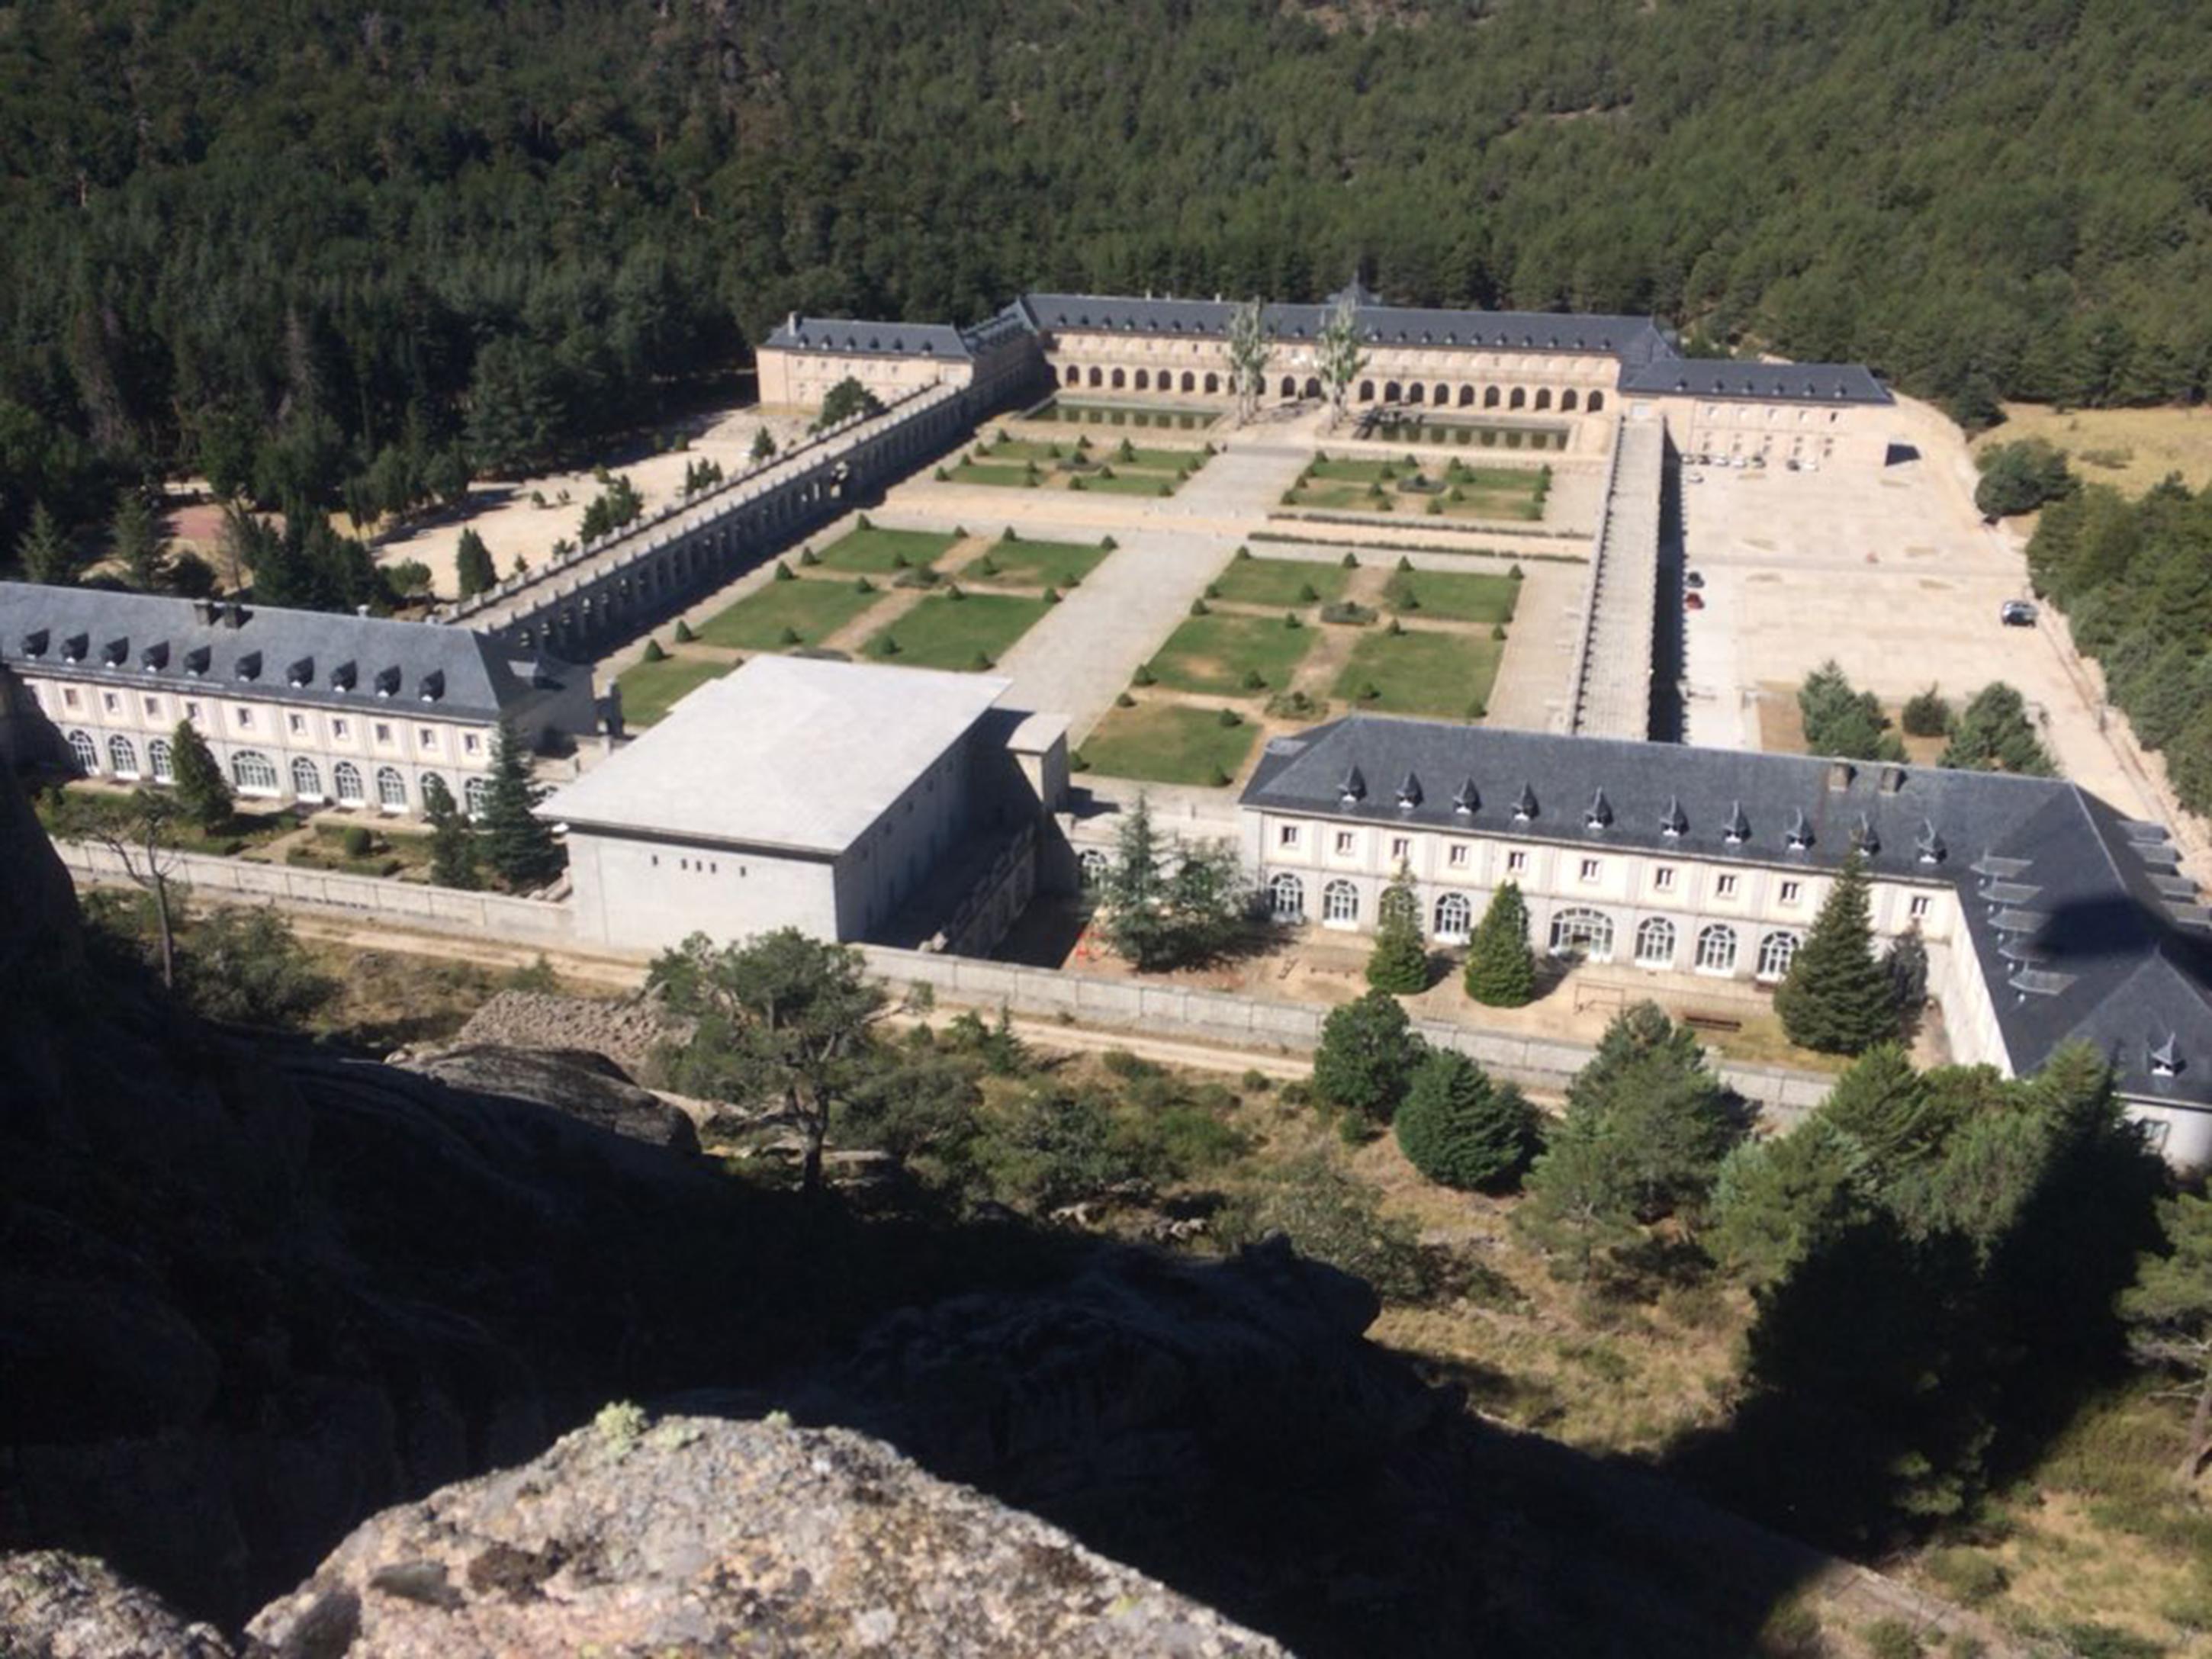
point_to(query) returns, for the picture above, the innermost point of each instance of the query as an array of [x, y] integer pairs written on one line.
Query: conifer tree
[[138, 543], [1366, 1057], [200, 784], [472, 566], [1460, 1129], [764, 445], [452, 839], [43, 552], [1836, 998], [1501, 969], [1399, 963], [517, 844]]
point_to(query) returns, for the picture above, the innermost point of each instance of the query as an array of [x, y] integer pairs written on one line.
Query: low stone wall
[[442, 909]]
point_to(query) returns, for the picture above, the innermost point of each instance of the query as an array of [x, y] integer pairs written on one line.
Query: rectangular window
[[383, 732], [1344, 841], [338, 729], [1402, 847], [152, 708], [111, 702], [192, 711], [1516, 862], [298, 724], [1457, 858], [1589, 869], [470, 743], [1724, 886], [426, 736], [1792, 890], [1920, 906], [246, 720], [1288, 836], [1662, 879], [68, 697]]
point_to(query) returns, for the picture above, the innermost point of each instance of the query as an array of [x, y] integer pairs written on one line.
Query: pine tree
[[452, 840], [200, 784], [1501, 969], [1366, 1057], [472, 565], [1836, 997], [138, 544], [1460, 1129], [518, 845], [764, 445], [1399, 963], [1161, 904], [43, 552]]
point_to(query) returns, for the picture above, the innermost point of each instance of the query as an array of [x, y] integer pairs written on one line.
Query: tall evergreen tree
[[1460, 1129], [1836, 998], [45, 552], [1399, 963], [472, 566], [1163, 903], [200, 783], [453, 838], [763, 447], [138, 544], [1501, 968], [1367, 1056], [518, 844]]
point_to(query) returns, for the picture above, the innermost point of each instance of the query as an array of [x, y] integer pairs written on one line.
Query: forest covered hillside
[[278, 242]]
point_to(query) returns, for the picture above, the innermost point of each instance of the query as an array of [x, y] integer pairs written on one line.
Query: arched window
[[1519, 399], [86, 753], [1454, 917], [1392, 392], [422, 784], [1190, 381], [1655, 943], [1442, 395], [161, 761], [475, 796], [1367, 392], [1543, 397], [1716, 949], [1089, 863], [1583, 933], [1775, 951], [1340, 904], [1596, 402], [345, 778], [1416, 393], [1312, 386], [1212, 384], [1467, 397], [1144, 381], [1096, 378], [1290, 388], [391, 789], [1490, 396], [1117, 379], [1286, 897], [122, 757], [306, 778], [1074, 376], [1567, 401], [254, 772]]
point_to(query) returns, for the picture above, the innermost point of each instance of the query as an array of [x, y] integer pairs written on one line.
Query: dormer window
[[1524, 806], [197, 660], [34, 642], [342, 677], [115, 652], [248, 667], [1352, 788], [1864, 838], [75, 646], [301, 673], [1674, 823], [1928, 847], [1409, 793], [387, 682], [1599, 813], [1468, 801], [154, 658], [432, 685], [2165, 1057], [1799, 835]]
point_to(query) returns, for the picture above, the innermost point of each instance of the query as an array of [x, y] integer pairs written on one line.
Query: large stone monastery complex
[[905, 807]]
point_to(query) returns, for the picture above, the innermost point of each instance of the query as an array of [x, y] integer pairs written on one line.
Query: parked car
[[1693, 602], [1693, 580], [2016, 613]]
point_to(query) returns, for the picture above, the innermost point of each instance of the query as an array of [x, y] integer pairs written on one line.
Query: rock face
[[577, 1083], [700, 1536], [70, 1606], [626, 1032]]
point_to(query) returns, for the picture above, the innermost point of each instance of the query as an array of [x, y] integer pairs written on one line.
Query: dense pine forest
[[319, 250]]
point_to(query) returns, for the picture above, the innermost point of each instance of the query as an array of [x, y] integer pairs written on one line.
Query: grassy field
[[875, 550], [1004, 477], [1128, 484], [1447, 676], [1034, 564], [1280, 584], [1372, 486], [650, 690], [811, 610], [1215, 654], [943, 632], [2129, 448], [1451, 596], [1169, 742]]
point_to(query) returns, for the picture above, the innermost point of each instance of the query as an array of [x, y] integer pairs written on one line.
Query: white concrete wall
[[1852, 434], [636, 895], [802, 380]]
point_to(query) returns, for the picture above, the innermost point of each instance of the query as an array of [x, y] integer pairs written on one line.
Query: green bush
[[356, 841], [1926, 714], [654, 653], [1967, 1576], [784, 572], [1460, 1129], [1891, 1638], [683, 634]]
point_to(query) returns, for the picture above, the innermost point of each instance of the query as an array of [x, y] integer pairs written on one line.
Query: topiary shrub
[[1349, 561], [953, 594], [1255, 680], [683, 634], [864, 522], [356, 841], [1220, 779], [1497, 630], [862, 585], [979, 663], [1107, 544], [1125, 701], [806, 557], [784, 572], [1229, 719], [1309, 594], [887, 647], [790, 636], [654, 653], [1405, 564], [1143, 676], [1461, 1128], [1243, 554], [1011, 535], [1291, 620], [1514, 574], [1198, 608], [1052, 596]]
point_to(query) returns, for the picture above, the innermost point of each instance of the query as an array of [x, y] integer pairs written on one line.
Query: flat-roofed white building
[[849, 800]]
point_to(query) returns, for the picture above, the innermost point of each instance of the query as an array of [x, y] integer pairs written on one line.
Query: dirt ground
[[2131, 449]]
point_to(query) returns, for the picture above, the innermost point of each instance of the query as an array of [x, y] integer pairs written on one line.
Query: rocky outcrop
[[54, 1606], [626, 1031], [574, 1082], [698, 1535]]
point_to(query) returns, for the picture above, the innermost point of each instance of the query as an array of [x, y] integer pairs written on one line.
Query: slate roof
[[2079, 923], [148, 640], [1713, 377], [856, 337]]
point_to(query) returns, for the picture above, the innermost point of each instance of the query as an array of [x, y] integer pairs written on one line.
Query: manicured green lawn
[[1034, 564], [1212, 653], [1006, 477], [650, 689], [942, 632], [1355, 472], [1280, 583], [813, 610], [876, 549], [1444, 675], [1154, 460], [1348, 497], [1452, 595], [1025, 449], [1133, 483], [1168, 742]]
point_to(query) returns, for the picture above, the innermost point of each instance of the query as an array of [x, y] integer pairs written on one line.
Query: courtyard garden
[[1122, 469], [1008, 563], [650, 689], [956, 630], [1170, 742], [1452, 595], [1448, 489], [869, 549], [1232, 654], [1279, 584], [1420, 672], [784, 614]]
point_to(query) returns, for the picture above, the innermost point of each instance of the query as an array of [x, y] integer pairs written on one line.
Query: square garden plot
[[1281, 584], [968, 633], [812, 609], [1453, 595], [1444, 676], [1170, 743], [650, 689], [1213, 654], [876, 551], [1034, 564]]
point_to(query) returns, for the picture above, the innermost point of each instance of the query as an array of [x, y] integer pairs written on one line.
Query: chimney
[[204, 610], [1893, 780], [232, 615], [1840, 776]]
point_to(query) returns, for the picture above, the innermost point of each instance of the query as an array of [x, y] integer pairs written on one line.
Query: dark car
[[2016, 613], [1693, 580]]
